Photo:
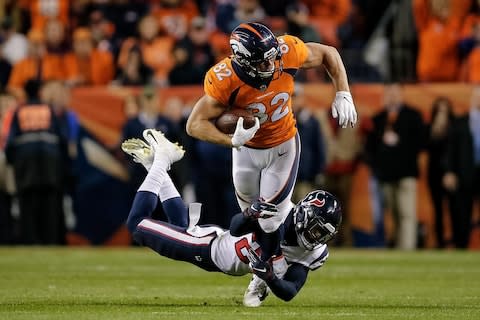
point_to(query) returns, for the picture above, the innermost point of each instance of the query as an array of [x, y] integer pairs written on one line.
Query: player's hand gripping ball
[[227, 121]]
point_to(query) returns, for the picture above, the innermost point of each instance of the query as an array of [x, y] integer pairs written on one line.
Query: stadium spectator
[[14, 44], [463, 170], [5, 70], [276, 8], [313, 152], [230, 15], [327, 16], [470, 47], [14, 10], [193, 55], [438, 24], [440, 124], [393, 145], [87, 65], [41, 11], [124, 15], [215, 249], [37, 65], [156, 50], [298, 23], [174, 16], [37, 151], [343, 149], [135, 72], [55, 37], [7, 104]]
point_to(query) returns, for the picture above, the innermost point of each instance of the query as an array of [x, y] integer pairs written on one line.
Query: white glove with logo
[[343, 109], [242, 135]]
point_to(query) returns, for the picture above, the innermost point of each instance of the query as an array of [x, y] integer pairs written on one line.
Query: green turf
[[71, 283]]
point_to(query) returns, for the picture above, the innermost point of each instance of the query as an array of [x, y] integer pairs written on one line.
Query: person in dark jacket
[[462, 176], [37, 151], [393, 145], [441, 121]]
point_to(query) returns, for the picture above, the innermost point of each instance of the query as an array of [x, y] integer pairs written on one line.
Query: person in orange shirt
[[438, 24], [174, 16], [156, 50], [37, 65], [41, 11], [327, 16], [86, 65], [260, 77]]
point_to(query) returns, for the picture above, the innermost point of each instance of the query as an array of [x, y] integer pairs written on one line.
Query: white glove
[[343, 108], [242, 135]]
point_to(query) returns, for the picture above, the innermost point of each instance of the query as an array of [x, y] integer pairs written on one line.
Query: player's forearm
[[241, 225], [206, 131], [336, 70], [283, 289]]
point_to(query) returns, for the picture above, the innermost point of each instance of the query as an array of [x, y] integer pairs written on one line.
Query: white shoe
[[163, 147], [256, 292], [140, 151]]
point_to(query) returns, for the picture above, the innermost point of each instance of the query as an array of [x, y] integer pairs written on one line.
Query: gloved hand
[[242, 135], [344, 109], [263, 269], [261, 210]]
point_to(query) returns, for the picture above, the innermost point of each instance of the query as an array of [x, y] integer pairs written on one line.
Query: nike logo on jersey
[[281, 153], [264, 95]]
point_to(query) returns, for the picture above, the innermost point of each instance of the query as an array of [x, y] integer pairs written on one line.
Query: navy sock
[[143, 205], [176, 211]]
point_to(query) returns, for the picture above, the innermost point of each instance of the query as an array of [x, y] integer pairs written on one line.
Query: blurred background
[[95, 72]]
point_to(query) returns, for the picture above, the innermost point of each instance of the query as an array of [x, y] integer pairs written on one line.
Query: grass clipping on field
[[135, 283]]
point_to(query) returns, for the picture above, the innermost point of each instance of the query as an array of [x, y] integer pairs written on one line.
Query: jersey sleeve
[[295, 51], [311, 259], [217, 82]]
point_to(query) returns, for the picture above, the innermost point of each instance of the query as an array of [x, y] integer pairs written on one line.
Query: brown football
[[227, 121]]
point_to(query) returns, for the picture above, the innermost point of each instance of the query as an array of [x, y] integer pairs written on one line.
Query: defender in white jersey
[[309, 225]]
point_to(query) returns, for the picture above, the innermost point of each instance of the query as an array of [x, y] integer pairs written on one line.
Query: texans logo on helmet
[[317, 202]]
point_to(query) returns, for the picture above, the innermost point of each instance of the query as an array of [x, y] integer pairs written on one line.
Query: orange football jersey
[[272, 105]]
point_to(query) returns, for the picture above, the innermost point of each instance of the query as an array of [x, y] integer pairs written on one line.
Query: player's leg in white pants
[[269, 174]]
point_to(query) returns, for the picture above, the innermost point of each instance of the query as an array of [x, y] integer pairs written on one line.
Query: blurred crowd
[[48, 47], [173, 42]]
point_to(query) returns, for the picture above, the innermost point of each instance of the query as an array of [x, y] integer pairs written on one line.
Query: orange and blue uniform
[[271, 105]]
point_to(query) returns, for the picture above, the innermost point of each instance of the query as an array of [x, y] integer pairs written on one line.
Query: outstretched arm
[[322, 55]]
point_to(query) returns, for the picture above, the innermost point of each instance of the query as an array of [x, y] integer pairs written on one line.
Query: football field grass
[[134, 283]]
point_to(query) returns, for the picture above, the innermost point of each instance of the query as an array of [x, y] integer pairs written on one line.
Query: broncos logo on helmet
[[317, 218], [255, 49]]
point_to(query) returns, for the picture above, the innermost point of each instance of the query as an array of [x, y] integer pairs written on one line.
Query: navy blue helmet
[[317, 219], [255, 49]]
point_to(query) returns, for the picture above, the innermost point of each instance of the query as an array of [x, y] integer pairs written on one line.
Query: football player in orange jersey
[[259, 76]]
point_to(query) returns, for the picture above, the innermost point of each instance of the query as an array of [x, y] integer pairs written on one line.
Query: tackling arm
[[199, 125], [288, 287]]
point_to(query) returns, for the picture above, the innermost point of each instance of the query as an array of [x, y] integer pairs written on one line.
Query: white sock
[[168, 190], [155, 178]]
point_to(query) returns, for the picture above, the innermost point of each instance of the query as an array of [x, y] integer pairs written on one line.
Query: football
[[227, 121]]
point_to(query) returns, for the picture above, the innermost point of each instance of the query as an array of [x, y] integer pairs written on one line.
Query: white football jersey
[[229, 253]]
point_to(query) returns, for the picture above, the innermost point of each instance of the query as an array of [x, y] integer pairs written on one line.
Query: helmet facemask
[[312, 230]]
